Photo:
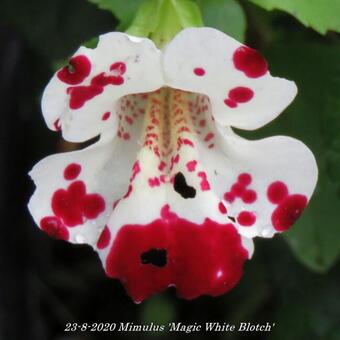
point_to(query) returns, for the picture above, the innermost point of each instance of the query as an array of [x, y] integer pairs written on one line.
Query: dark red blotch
[[78, 69], [202, 259]]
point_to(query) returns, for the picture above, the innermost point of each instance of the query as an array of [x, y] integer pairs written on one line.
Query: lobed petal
[[236, 79], [78, 97]]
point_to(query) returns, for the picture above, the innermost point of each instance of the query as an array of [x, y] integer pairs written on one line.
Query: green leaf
[[321, 15], [314, 118], [161, 20], [123, 10], [225, 15]]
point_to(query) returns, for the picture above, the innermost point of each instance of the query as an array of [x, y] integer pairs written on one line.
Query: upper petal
[[242, 92], [78, 97]]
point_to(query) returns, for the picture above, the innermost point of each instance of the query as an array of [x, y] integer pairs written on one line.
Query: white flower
[[170, 195]]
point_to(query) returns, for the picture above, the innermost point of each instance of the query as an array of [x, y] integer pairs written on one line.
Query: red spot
[[104, 238], [208, 137], [57, 125], [126, 136], [241, 94], [118, 68], [129, 191], [202, 123], [191, 166], [161, 166], [72, 171], [230, 103], [79, 95], [250, 62], [244, 179], [199, 71], [222, 208], [73, 204], [154, 182], [288, 211], [187, 142], [195, 257], [229, 197], [53, 227], [237, 189], [93, 205], [106, 115], [276, 192], [78, 69], [246, 218], [249, 196]]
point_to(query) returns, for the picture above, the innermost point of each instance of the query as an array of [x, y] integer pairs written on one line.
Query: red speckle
[[57, 125], [241, 94], [244, 179], [276, 192], [129, 191], [230, 103], [191, 166], [288, 211], [195, 254], [126, 136], [53, 227], [106, 115], [104, 238], [208, 137], [76, 72], [199, 71], [250, 62], [222, 208], [72, 171], [202, 123], [249, 196], [246, 218], [73, 204]]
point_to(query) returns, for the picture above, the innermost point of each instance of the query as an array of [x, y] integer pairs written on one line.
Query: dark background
[[46, 283]]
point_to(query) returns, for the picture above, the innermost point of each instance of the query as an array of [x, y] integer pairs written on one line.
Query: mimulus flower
[[170, 195]]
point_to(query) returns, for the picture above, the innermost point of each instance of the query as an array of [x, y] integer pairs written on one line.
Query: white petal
[[280, 171], [140, 72], [202, 60], [103, 169]]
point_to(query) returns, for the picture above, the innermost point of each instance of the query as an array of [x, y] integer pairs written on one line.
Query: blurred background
[[292, 280]]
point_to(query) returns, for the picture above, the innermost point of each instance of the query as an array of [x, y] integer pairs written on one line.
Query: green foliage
[[321, 15], [314, 118], [123, 10], [158, 310], [161, 20], [225, 15]]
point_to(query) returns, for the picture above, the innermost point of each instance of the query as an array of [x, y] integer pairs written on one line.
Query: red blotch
[[154, 182], [246, 218], [230, 103], [53, 227], [244, 179], [76, 72], [250, 62], [104, 238], [199, 71], [222, 208], [93, 205], [208, 137], [106, 115], [276, 192], [72, 205], [249, 196], [79, 95], [288, 211], [72, 171], [237, 189], [196, 256], [241, 94]]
